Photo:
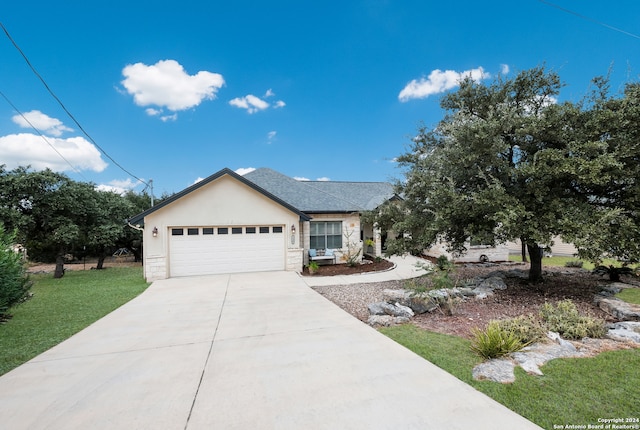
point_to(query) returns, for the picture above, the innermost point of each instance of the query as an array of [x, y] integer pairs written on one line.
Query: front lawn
[[62, 307], [630, 295], [574, 391]]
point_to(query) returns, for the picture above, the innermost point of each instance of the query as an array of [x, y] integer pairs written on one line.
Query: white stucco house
[[261, 221]]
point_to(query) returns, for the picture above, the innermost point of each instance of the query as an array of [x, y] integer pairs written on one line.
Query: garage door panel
[[226, 253]]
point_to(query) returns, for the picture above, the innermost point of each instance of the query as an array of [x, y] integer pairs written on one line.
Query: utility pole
[[151, 188]]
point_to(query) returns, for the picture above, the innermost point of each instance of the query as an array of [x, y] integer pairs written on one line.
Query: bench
[[322, 255]]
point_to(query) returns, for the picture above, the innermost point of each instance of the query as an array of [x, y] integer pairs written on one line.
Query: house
[[261, 221]]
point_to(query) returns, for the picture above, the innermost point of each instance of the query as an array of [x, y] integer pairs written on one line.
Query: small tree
[[14, 282]]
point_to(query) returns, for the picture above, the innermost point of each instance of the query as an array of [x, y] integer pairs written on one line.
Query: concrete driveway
[[246, 351]]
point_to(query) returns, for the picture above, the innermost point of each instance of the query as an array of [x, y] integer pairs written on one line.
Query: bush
[[574, 263], [443, 263], [526, 328], [613, 272], [14, 282], [495, 341], [564, 319]]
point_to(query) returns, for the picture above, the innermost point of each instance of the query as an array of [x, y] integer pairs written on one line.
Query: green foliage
[[60, 308], [565, 319], [54, 215], [526, 328], [574, 263], [495, 341], [313, 267], [443, 263], [508, 162], [14, 282], [542, 400]]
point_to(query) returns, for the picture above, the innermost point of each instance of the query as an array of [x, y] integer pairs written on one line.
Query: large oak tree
[[506, 162]]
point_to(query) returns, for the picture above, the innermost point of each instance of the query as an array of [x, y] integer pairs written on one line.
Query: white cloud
[[198, 179], [301, 178], [26, 149], [249, 102], [269, 93], [244, 170], [279, 104], [438, 82], [167, 85], [271, 136], [504, 69], [323, 179], [43, 123], [119, 186]]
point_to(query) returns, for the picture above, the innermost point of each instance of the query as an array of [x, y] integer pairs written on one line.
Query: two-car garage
[[225, 249]]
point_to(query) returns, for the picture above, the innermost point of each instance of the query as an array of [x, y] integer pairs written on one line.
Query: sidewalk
[[406, 267]]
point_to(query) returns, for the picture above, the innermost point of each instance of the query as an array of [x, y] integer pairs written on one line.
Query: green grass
[[630, 295], [572, 391], [62, 307]]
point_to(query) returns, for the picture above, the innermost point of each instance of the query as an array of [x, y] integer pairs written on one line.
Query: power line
[[64, 107], [595, 21], [42, 135]]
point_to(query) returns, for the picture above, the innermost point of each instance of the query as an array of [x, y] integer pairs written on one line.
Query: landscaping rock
[[493, 283], [401, 296], [496, 370], [404, 310], [625, 331], [386, 320], [384, 308], [422, 303], [619, 309]]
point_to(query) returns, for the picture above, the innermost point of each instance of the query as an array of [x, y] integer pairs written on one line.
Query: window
[[236, 230], [207, 230], [223, 230], [277, 229], [193, 231], [264, 229], [177, 232], [326, 235], [250, 230]]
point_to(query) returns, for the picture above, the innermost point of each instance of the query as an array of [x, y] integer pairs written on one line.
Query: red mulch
[[343, 269]]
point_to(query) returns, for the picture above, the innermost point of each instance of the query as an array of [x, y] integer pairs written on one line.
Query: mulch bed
[[368, 265]]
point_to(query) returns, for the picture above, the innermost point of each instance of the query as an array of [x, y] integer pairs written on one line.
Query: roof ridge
[[334, 196]]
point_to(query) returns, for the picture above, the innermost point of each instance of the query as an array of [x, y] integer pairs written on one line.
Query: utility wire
[[64, 107], [595, 21], [42, 135]]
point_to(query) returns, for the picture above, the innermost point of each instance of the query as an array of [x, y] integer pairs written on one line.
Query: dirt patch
[[89, 264]]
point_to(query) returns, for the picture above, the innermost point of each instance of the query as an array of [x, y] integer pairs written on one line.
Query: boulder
[[496, 370], [493, 283], [625, 331], [386, 320], [393, 296], [384, 308], [619, 309]]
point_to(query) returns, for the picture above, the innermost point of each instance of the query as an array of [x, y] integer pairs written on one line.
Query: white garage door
[[227, 249]]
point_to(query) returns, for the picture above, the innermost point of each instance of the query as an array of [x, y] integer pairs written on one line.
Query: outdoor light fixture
[[293, 229], [155, 231]]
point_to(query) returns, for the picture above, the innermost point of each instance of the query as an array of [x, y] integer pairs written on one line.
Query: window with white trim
[[325, 234]]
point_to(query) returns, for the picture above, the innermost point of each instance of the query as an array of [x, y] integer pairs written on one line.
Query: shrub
[[495, 341], [564, 319], [14, 282], [443, 263], [574, 263], [526, 328], [613, 272]]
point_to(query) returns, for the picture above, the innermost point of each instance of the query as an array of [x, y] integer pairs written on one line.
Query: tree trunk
[[523, 251], [535, 254], [101, 258], [59, 272]]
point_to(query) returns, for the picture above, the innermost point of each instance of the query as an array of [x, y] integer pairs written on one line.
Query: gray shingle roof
[[322, 196]]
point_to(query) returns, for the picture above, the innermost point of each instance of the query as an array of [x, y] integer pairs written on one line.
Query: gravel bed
[[354, 298]]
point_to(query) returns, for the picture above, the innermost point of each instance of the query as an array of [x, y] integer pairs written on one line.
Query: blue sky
[[175, 91]]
